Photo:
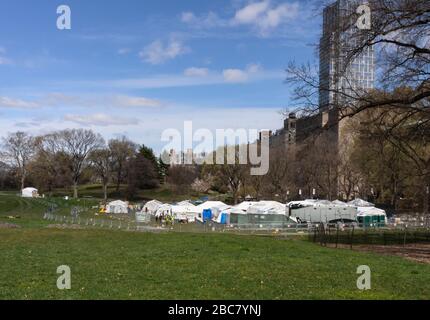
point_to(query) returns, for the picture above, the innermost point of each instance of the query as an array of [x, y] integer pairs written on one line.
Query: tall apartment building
[[342, 78]]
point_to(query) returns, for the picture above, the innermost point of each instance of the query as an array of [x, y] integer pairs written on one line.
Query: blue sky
[[138, 67]]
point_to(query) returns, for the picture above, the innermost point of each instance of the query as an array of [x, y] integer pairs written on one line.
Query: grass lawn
[[130, 265]]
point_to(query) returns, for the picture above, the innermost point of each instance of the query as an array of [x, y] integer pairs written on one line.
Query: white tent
[[179, 212], [377, 216], [370, 211], [185, 203], [360, 203], [243, 207], [211, 204], [29, 193], [116, 207], [216, 208], [339, 203], [151, 207], [165, 209], [267, 207], [185, 212]]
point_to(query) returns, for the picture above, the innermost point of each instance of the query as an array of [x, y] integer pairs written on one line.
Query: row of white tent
[[185, 210]]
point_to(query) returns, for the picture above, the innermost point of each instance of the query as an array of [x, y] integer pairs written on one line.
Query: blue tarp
[[207, 214], [223, 218]]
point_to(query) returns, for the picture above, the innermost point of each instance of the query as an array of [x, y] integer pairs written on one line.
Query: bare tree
[[18, 148], [77, 144], [122, 150], [101, 161]]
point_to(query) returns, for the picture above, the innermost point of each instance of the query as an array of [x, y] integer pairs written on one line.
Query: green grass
[[163, 193], [130, 265]]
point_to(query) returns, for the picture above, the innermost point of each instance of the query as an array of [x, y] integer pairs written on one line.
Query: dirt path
[[414, 252]]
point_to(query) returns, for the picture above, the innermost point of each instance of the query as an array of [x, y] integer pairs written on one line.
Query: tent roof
[[212, 204], [360, 203], [339, 203], [185, 203], [29, 189], [153, 202], [244, 205], [370, 211], [267, 207]]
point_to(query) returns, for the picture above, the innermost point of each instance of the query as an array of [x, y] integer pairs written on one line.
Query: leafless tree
[[122, 150], [77, 144], [399, 34], [101, 162], [17, 150]]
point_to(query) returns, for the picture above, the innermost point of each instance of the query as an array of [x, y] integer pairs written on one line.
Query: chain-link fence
[[357, 235]]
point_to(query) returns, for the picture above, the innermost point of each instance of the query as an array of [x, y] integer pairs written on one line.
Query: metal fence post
[[352, 236], [337, 235]]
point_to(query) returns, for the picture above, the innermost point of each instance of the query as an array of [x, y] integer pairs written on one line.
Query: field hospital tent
[[244, 206], [368, 214], [240, 209], [210, 210], [317, 211], [117, 207], [371, 217], [262, 214], [185, 203], [360, 203], [339, 203], [29, 193], [267, 207], [185, 212], [151, 207], [164, 210]]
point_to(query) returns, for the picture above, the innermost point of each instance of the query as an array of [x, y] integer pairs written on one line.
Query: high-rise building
[[342, 78]]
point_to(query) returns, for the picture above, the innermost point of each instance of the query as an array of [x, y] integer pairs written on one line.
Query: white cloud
[[7, 102], [128, 101], [265, 16], [251, 12], [188, 17], [240, 76], [254, 68], [100, 119], [208, 20], [157, 52], [3, 59], [123, 51], [254, 72], [196, 72], [235, 75]]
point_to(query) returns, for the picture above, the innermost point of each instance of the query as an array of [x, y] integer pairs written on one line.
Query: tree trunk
[[105, 191], [22, 181], [75, 190], [426, 199]]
